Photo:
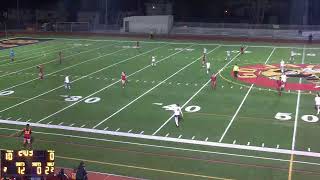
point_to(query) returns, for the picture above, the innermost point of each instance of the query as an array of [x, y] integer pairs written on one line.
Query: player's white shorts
[[123, 81]]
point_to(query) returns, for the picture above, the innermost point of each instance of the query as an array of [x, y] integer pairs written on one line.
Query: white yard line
[[166, 139], [106, 87], [119, 62], [55, 60], [53, 50], [242, 102], [296, 120], [154, 87], [297, 110], [295, 125], [166, 147], [30, 50], [167, 121], [235, 114]]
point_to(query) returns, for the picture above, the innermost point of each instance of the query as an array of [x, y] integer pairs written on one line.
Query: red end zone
[[267, 76]]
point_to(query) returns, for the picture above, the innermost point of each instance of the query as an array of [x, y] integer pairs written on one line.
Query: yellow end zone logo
[[267, 76]]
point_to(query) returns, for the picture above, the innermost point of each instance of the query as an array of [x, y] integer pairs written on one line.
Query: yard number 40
[[190, 109], [287, 116]]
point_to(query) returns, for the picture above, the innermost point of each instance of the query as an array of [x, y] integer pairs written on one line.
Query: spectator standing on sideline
[[62, 175], [81, 172]]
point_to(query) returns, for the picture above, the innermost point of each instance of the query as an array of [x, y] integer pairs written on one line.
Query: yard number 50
[[287, 116]]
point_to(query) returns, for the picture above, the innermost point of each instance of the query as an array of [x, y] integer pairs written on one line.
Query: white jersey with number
[[208, 65], [317, 100], [66, 79], [284, 78], [292, 53], [177, 111], [205, 50]]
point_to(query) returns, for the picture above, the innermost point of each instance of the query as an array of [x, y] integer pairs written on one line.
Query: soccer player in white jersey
[[153, 61], [228, 58], [204, 51], [292, 56], [177, 114], [282, 66], [317, 101], [283, 80], [208, 66], [67, 83]]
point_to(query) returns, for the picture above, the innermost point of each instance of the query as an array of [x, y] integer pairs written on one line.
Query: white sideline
[[82, 76], [243, 100], [54, 60], [166, 122], [167, 147], [176, 42], [131, 102], [167, 139], [106, 87]]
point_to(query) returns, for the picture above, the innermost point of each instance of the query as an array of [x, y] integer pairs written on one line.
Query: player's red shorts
[[26, 140]]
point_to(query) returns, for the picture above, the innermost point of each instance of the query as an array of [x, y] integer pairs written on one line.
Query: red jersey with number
[[213, 79], [123, 77], [27, 133], [280, 83]]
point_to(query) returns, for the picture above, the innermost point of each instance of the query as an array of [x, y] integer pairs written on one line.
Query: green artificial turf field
[[241, 130]]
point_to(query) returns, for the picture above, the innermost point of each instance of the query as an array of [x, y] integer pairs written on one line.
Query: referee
[[235, 71]]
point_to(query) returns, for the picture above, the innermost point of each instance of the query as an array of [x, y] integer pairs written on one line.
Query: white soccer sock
[[318, 111]]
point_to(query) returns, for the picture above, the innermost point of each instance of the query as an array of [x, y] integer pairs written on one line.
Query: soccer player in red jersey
[[280, 87], [242, 49], [27, 136], [123, 79], [41, 71], [214, 81]]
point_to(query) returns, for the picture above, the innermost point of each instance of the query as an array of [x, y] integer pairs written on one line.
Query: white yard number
[[170, 107], [92, 100], [73, 98], [88, 101], [283, 116], [190, 109], [310, 118], [287, 116], [6, 93]]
